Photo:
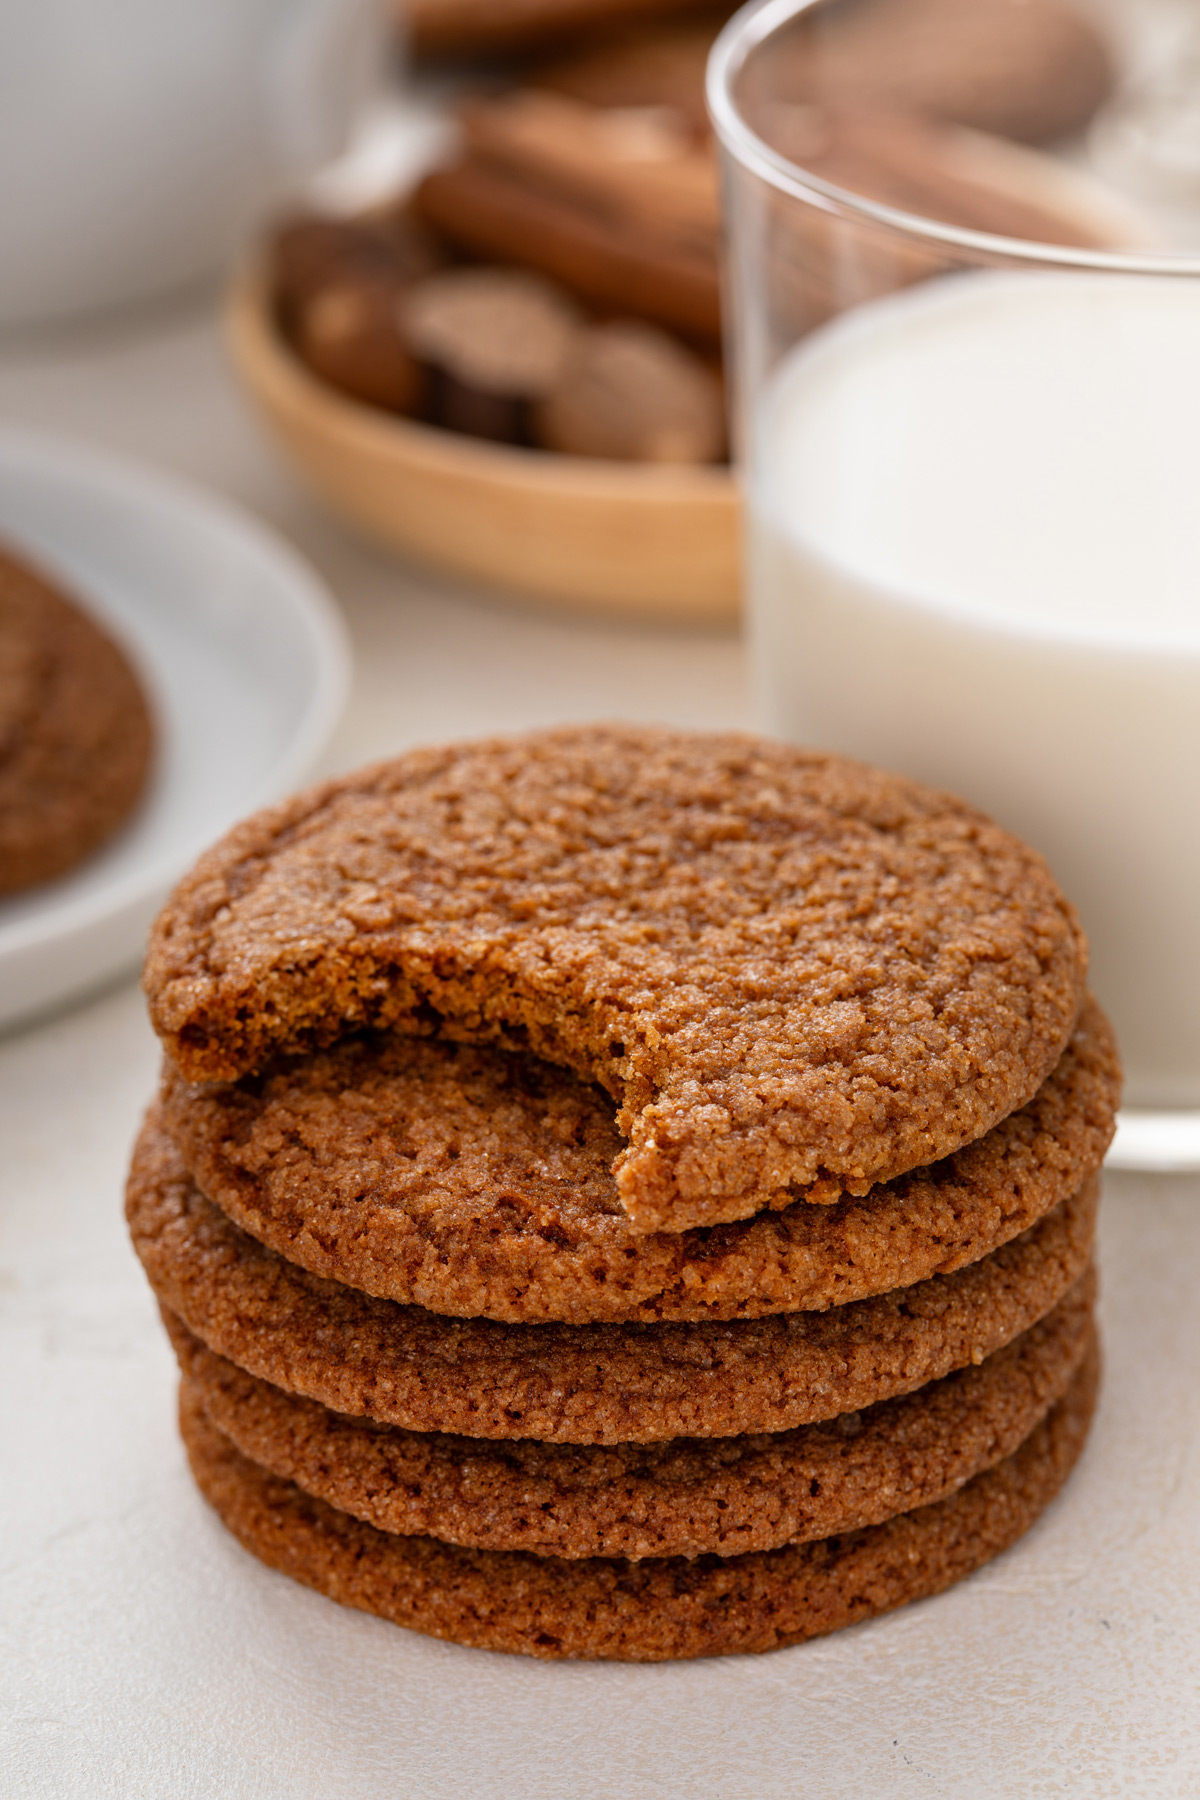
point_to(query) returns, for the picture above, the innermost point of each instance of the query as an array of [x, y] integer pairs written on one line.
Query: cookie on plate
[[493, 342], [76, 733], [1026, 70]]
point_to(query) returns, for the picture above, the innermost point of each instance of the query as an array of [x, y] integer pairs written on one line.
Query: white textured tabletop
[[144, 1654]]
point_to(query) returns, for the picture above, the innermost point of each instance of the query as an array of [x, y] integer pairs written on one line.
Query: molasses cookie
[[1031, 70], [648, 1611], [685, 1497], [478, 1182], [648, 65], [470, 28], [76, 736], [799, 976], [1026, 69], [586, 1384]]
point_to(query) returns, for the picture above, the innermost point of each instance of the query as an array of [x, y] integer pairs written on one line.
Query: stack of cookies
[[625, 1193]]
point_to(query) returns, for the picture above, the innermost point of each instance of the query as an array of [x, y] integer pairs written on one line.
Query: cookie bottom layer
[[651, 1611]]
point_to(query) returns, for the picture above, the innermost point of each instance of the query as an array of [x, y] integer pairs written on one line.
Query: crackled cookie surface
[[647, 1611], [798, 976], [76, 736], [478, 1182], [588, 1384], [685, 1497]]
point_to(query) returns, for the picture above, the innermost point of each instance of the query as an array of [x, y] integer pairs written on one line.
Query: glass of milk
[[971, 465]]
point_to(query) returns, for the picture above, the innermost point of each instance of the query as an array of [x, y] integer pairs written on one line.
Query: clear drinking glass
[[971, 467]]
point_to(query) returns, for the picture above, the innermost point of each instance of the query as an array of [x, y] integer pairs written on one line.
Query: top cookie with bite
[[797, 975]]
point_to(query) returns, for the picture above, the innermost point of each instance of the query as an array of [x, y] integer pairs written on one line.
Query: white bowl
[[245, 659]]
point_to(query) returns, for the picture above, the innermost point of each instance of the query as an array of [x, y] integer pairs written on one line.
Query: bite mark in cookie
[[798, 976], [586, 1384], [478, 1182]]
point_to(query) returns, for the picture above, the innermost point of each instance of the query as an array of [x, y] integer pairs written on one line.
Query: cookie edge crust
[[660, 1610], [342, 1460], [239, 1316], [682, 1297]]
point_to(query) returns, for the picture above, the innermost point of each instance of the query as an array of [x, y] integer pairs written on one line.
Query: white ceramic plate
[[1159, 1142], [245, 659]]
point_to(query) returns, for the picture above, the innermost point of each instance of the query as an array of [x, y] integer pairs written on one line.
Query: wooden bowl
[[622, 537]]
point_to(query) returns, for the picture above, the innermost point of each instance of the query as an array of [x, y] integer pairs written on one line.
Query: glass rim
[[752, 26]]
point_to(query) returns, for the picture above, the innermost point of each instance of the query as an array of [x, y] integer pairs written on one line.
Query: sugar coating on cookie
[[477, 1182], [76, 735], [684, 1497], [647, 1611], [798, 976], [587, 1384]]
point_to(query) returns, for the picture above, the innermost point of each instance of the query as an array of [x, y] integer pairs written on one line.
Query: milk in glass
[[975, 556]]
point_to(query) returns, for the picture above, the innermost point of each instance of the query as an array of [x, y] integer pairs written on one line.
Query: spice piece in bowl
[[493, 342], [630, 392], [337, 284]]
